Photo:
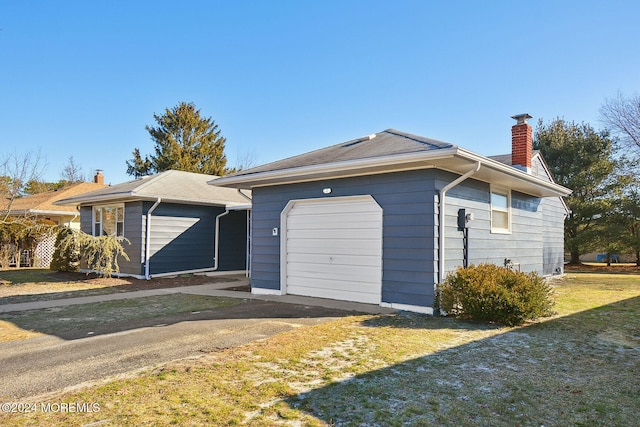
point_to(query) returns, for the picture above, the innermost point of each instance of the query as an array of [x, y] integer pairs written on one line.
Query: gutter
[[147, 248], [311, 172], [441, 217]]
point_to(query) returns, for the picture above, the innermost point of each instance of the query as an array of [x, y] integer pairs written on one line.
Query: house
[[361, 220], [174, 223], [42, 207]]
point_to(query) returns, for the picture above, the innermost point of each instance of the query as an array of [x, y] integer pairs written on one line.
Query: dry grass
[[578, 368], [109, 316], [32, 284]]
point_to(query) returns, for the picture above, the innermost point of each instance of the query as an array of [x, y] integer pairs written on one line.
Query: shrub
[[66, 257], [101, 253], [495, 294]]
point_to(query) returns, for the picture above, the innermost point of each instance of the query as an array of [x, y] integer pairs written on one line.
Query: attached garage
[[332, 248], [317, 218]]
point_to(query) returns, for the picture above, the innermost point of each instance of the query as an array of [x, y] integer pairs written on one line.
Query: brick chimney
[[521, 143], [98, 178]]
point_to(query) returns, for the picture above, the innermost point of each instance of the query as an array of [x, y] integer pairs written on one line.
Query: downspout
[[441, 216], [216, 239], [248, 260], [147, 248]]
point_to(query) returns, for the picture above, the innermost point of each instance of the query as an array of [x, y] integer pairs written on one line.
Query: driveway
[[41, 365]]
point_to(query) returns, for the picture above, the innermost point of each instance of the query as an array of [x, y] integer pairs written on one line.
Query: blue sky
[[83, 78]]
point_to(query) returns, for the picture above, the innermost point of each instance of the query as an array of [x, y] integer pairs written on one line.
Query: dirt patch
[[602, 268], [19, 286]]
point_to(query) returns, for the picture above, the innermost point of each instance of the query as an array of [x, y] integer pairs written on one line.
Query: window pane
[[97, 221], [500, 220], [120, 229], [109, 221], [499, 201], [120, 214]]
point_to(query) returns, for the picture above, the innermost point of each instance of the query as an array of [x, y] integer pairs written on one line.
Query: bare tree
[[72, 172], [244, 160], [622, 115], [16, 171]]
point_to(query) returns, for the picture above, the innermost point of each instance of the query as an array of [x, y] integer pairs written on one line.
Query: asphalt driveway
[[37, 366]]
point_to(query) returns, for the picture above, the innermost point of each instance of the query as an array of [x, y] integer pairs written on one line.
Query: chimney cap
[[522, 118]]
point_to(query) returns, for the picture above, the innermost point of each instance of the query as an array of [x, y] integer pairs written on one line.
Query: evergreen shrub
[[490, 293]]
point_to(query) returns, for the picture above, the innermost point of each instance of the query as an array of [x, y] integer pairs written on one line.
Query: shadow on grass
[[25, 275], [43, 277], [93, 319], [580, 369]]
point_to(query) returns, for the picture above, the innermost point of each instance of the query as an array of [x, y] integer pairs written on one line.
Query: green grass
[[579, 367], [28, 275]]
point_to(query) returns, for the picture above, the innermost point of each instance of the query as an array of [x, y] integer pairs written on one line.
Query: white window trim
[[504, 192], [93, 217]]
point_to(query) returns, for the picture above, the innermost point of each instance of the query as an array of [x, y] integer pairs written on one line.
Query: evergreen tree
[[184, 140], [581, 159]]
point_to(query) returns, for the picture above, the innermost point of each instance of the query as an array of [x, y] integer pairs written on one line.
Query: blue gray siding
[[233, 241], [522, 246], [133, 232], [406, 199], [410, 229], [182, 237], [553, 215]]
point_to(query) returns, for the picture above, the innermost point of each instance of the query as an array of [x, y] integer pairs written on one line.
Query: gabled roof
[[171, 186], [388, 151], [43, 203]]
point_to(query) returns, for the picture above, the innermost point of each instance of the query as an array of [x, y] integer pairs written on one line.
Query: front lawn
[[579, 367]]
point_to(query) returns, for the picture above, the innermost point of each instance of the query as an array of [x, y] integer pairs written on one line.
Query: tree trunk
[[575, 257]]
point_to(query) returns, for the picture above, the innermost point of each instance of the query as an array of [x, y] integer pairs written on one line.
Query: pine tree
[[184, 140]]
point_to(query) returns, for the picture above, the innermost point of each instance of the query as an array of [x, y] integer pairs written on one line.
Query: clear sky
[[83, 78]]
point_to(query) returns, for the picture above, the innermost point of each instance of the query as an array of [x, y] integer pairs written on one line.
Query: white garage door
[[333, 248]]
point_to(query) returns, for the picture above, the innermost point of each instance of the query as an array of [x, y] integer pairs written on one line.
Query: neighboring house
[[360, 221], [602, 257], [174, 221], [42, 206]]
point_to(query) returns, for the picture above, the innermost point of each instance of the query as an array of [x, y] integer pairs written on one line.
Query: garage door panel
[[334, 249], [312, 222], [332, 285], [339, 295], [333, 207], [316, 246], [343, 234], [336, 271], [349, 260]]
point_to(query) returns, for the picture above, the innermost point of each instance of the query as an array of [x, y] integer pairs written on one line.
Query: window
[[108, 220], [500, 211]]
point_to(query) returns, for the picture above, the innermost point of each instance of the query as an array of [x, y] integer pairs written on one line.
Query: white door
[[332, 248]]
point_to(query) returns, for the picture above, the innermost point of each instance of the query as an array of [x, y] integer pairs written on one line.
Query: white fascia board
[[134, 197], [76, 201], [392, 163], [56, 213], [232, 207], [518, 174]]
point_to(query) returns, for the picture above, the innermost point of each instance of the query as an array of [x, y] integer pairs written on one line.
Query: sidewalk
[[211, 289]]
